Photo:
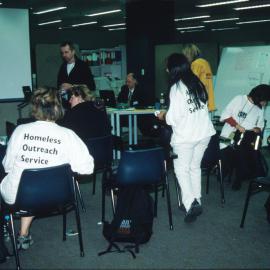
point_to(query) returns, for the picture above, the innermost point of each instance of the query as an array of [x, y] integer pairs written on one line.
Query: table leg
[[130, 129], [118, 131], [135, 129]]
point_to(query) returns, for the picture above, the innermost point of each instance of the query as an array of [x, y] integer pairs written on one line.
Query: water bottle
[[162, 101]]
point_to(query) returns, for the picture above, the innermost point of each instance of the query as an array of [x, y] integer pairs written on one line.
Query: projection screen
[[15, 64]]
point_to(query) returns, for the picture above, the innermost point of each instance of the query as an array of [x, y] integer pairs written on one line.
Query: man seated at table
[[131, 93]]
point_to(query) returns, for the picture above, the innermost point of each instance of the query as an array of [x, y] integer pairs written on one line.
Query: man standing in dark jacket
[[73, 70]]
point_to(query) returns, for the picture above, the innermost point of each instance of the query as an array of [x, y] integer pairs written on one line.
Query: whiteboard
[[15, 64], [240, 70]]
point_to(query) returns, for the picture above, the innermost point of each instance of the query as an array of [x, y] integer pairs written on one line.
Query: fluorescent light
[[1, 3], [223, 29], [116, 29], [112, 25], [81, 24], [221, 3], [57, 21], [251, 7], [221, 20], [48, 10], [103, 13], [192, 18], [258, 21], [190, 31], [190, 27]]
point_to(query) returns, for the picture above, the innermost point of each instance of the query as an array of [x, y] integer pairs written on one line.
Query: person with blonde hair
[[41, 144], [202, 69], [87, 116]]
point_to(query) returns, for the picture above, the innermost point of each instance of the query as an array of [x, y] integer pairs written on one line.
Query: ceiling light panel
[[252, 7], [224, 29], [117, 29], [104, 12], [82, 24], [113, 25], [49, 10], [50, 22], [221, 20], [221, 3], [190, 27], [256, 21], [192, 18], [191, 31]]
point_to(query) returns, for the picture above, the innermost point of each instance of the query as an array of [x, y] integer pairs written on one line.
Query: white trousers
[[187, 168]]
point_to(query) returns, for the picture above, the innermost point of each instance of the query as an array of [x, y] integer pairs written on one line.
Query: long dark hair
[[179, 69]]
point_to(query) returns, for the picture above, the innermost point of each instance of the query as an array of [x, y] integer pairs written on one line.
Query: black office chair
[[101, 149], [212, 159], [45, 191], [142, 167], [255, 186]]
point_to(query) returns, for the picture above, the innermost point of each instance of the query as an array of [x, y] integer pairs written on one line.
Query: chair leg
[[64, 225], [156, 200], [94, 184], [80, 196], [207, 180], [103, 202], [14, 243], [113, 201], [169, 204], [168, 197], [177, 188], [246, 204], [163, 191], [78, 221], [220, 177]]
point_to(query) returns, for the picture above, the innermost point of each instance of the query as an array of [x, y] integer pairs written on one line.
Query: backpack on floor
[[132, 222]]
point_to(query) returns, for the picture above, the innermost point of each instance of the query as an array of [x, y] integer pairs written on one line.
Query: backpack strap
[[109, 249]]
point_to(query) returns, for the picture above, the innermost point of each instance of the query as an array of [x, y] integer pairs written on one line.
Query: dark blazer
[[80, 74], [88, 120], [136, 98]]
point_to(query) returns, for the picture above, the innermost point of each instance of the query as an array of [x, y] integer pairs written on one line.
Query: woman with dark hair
[[243, 113], [41, 144], [192, 129]]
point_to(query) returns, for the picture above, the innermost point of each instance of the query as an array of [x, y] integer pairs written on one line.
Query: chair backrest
[[101, 149], [42, 190], [144, 166], [3, 149], [212, 152], [10, 127]]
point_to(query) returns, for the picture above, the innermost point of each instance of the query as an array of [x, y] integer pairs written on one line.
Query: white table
[[132, 122]]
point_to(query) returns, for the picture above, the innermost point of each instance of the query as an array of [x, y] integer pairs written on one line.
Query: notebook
[[108, 97]]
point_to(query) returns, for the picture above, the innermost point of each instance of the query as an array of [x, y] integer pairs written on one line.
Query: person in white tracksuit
[[192, 128]]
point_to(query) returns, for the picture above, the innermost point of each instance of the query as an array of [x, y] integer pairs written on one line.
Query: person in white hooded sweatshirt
[[192, 129]]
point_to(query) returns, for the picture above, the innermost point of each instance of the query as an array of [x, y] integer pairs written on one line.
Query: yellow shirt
[[202, 70]]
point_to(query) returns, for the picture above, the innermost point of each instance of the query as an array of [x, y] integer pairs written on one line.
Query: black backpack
[[132, 222]]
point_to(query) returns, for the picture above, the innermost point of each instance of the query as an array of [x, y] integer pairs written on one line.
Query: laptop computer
[[108, 97]]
